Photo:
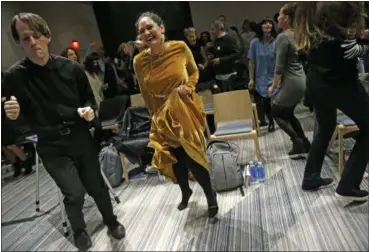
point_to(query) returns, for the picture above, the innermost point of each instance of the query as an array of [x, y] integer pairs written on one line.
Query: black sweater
[[336, 60], [226, 49]]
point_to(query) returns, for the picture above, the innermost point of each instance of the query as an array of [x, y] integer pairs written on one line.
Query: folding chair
[[344, 126], [236, 120], [137, 100], [207, 100]]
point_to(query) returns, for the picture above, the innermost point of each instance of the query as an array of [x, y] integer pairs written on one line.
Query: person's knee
[[75, 197]]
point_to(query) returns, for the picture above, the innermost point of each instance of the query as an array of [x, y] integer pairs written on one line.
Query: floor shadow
[[29, 219]]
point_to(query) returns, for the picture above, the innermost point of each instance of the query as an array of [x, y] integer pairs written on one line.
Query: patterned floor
[[274, 216]]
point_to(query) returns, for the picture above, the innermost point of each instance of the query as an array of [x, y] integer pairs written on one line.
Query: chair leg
[[257, 147], [332, 139], [207, 129], [340, 150], [256, 119], [125, 168]]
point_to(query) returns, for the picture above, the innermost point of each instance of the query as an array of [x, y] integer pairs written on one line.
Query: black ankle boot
[[297, 147], [271, 127], [212, 205], [82, 240], [185, 198]]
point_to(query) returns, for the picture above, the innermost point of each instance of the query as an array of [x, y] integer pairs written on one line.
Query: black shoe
[[297, 147], [313, 185], [184, 203], [117, 231], [271, 127], [82, 240], [356, 195]]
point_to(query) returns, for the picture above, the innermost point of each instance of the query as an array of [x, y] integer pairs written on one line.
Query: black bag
[[134, 134]]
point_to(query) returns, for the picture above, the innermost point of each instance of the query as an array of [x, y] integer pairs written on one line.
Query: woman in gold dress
[[167, 75]]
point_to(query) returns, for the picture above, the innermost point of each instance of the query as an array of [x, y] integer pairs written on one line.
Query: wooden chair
[[344, 126], [207, 100], [137, 100], [234, 117]]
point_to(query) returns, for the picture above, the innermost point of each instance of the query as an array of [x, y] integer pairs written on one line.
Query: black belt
[[56, 134]]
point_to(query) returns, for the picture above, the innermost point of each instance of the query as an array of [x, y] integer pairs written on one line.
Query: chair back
[[232, 106], [206, 96], [137, 100]]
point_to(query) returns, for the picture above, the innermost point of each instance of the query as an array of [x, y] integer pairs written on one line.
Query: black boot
[[271, 127], [118, 231], [185, 198], [212, 205], [82, 240], [297, 147]]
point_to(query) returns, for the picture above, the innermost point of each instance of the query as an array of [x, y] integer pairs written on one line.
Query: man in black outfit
[[226, 52], [55, 97]]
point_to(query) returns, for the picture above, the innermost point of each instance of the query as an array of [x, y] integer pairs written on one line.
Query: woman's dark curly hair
[[64, 53], [89, 62], [259, 29]]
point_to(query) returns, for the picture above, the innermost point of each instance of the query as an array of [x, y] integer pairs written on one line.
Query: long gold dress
[[176, 121]]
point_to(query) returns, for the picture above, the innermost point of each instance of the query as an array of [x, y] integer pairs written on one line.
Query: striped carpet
[[274, 216]]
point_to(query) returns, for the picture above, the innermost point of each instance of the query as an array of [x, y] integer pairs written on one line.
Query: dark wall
[[116, 20]]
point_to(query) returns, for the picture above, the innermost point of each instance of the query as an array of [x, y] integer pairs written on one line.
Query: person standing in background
[[232, 33], [261, 69], [247, 35], [70, 53], [226, 52], [92, 69]]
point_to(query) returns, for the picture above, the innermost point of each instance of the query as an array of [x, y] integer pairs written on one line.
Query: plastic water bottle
[[260, 172], [252, 169]]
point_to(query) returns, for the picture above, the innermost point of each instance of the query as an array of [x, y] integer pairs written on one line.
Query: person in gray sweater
[[289, 82]]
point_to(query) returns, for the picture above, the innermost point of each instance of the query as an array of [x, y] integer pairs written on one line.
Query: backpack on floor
[[110, 164], [226, 173]]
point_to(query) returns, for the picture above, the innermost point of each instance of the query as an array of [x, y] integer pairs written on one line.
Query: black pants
[[263, 105], [75, 172], [352, 100], [287, 121], [181, 168]]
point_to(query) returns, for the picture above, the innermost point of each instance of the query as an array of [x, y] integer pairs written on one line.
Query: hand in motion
[[271, 89], [183, 90], [86, 113], [251, 84], [201, 67], [11, 108]]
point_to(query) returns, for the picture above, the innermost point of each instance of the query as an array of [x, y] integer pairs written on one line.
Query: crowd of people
[[58, 97]]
